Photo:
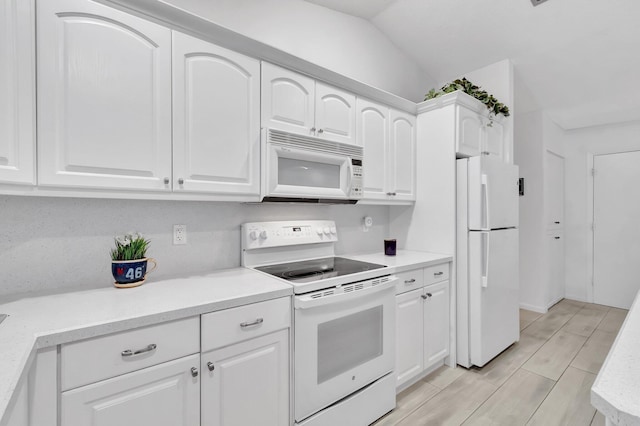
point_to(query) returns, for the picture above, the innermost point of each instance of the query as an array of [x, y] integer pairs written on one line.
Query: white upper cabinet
[[477, 134], [104, 98], [17, 89], [335, 114], [469, 134], [298, 104], [216, 119], [287, 100], [388, 137], [403, 155], [373, 135]]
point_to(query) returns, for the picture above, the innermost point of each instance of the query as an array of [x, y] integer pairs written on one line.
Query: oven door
[[342, 344], [296, 172]]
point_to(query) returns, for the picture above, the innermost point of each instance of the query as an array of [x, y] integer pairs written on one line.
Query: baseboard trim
[[539, 309]]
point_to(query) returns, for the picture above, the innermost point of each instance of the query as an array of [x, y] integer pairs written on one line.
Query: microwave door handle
[[349, 176]]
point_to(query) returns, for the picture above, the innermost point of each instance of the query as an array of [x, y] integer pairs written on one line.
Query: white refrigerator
[[487, 259]]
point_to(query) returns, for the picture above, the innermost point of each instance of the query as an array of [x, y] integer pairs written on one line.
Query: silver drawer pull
[[424, 296], [210, 366], [437, 274], [194, 372], [411, 281], [249, 324], [130, 352]]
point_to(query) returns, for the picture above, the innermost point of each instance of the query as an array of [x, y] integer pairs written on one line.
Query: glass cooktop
[[306, 271]]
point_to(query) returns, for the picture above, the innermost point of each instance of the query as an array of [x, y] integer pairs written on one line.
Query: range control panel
[[258, 235]]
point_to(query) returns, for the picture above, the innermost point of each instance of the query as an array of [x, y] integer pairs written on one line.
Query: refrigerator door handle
[[485, 266], [485, 185]]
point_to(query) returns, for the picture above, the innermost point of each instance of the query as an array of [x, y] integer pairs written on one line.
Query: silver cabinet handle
[[437, 274], [249, 324], [180, 181], [557, 238], [210, 366], [130, 352], [424, 296], [194, 372], [411, 281], [313, 129], [557, 223], [320, 131], [166, 181], [391, 193], [429, 294]]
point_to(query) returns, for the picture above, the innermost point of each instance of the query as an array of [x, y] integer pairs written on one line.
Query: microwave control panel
[[356, 179], [258, 235]]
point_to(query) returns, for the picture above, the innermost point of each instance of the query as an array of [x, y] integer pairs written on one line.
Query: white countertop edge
[[616, 390]]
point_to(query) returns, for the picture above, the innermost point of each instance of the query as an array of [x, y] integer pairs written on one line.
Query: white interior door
[[616, 237], [554, 190], [493, 293]]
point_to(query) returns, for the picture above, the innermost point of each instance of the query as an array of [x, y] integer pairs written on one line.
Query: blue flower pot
[[130, 273]]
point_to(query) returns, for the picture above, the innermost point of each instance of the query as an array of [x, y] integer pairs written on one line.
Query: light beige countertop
[[616, 391], [40, 322]]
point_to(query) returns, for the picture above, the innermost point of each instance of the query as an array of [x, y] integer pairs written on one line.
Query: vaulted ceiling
[[579, 59]]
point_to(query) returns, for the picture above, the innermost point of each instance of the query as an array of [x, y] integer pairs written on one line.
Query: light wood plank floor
[[544, 379]]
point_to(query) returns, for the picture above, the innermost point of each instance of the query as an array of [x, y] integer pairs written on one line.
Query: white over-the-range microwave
[[298, 168]]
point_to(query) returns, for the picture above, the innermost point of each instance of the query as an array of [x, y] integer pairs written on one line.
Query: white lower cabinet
[[245, 365], [163, 395], [247, 383], [422, 323]]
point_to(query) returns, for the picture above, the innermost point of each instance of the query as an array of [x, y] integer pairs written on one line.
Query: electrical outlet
[[179, 234]]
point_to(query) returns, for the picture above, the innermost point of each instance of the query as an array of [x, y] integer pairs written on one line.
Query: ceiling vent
[[537, 2]]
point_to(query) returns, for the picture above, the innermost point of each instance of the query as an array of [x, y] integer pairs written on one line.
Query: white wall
[[51, 244], [528, 155], [342, 43], [580, 145]]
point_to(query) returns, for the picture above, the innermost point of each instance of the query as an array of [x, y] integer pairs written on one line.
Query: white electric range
[[344, 321]]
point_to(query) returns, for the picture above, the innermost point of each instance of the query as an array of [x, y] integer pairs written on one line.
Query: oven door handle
[[306, 302]]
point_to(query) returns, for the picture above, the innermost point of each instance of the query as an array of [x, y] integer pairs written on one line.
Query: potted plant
[[494, 106], [129, 261]]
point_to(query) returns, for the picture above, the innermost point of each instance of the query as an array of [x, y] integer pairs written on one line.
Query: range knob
[[253, 235], [333, 230], [319, 231], [327, 231], [263, 235]]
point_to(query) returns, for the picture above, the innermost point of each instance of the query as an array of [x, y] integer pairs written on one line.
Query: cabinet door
[[469, 133], [17, 88], [104, 98], [247, 383], [287, 100], [402, 154], [216, 119], [409, 335], [436, 323], [373, 136], [163, 395], [554, 190], [494, 140], [555, 253], [335, 114]]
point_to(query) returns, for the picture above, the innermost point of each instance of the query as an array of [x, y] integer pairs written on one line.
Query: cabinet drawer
[[409, 280], [437, 273], [229, 326], [92, 360]]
